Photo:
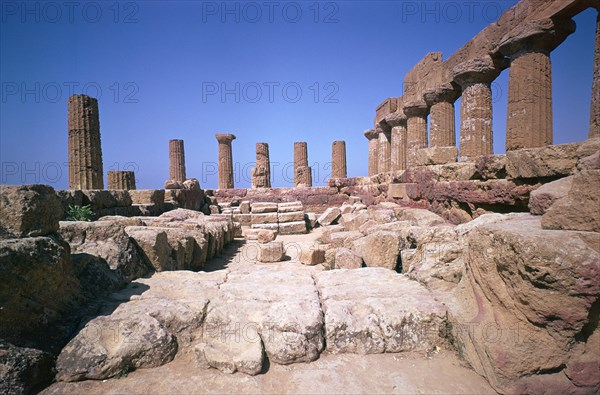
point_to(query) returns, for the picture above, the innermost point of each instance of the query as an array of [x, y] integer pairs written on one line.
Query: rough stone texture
[[441, 125], [329, 216], [245, 207], [476, 137], [107, 240], [551, 161], [292, 228], [416, 134], [302, 172], [595, 105], [580, 209], [261, 174], [397, 191], [290, 217], [398, 153], [148, 196], [435, 156], [289, 207], [379, 249], [28, 210], [345, 259], [265, 218], [177, 161], [344, 238], [24, 370], [529, 114], [266, 207], [265, 236], [542, 198], [338, 160], [85, 149], [373, 153], [384, 151], [532, 291], [121, 180], [270, 252], [43, 285], [374, 310], [311, 254], [225, 160], [491, 167]]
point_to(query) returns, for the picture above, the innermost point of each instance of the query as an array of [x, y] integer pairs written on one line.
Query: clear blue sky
[[158, 65]]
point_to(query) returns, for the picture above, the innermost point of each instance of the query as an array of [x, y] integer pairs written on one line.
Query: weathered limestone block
[[225, 160], [291, 217], [245, 207], [147, 196], [271, 252], [265, 236], [265, 218], [344, 239], [354, 299], [24, 370], [259, 207], [542, 198], [379, 249], [311, 254], [580, 209], [435, 156], [28, 210], [121, 180], [346, 259], [176, 161], [354, 220], [85, 149], [397, 191], [293, 228], [491, 167], [329, 216], [288, 207]]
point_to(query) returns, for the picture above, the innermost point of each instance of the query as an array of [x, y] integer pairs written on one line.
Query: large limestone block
[[265, 236], [294, 216], [379, 249], [293, 228], [374, 310], [329, 216], [263, 207], [266, 218], [311, 254], [271, 252], [154, 243], [527, 296], [289, 207], [344, 239], [580, 209], [435, 156], [147, 196], [24, 370], [28, 210], [346, 259], [354, 220], [542, 198]]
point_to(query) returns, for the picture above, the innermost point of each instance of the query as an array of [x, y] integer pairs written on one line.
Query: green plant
[[79, 213], [128, 368]]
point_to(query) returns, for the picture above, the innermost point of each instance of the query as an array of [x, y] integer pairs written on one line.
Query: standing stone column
[[476, 120], [261, 174], [595, 107], [176, 161], [416, 132], [441, 125], [121, 179], [384, 150], [302, 172], [225, 160], [397, 121], [373, 138], [338, 159], [85, 149]]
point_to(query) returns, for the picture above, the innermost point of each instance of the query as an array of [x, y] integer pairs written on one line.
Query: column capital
[[445, 92], [416, 109], [224, 138], [371, 134], [395, 119], [477, 71]]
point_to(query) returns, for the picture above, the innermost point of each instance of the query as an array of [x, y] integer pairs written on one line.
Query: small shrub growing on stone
[[79, 213]]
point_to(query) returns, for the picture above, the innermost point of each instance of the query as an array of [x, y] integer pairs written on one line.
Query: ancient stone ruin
[[446, 269]]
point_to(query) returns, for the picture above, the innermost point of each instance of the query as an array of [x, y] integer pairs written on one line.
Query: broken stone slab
[[344, 239], [379, 249], [29, 210], [329, 216], [147, 196], [374, 310], [243, 219], [251, 234], [346, 259], [435, 156], [328, 231], [311, 254], [245, 207], [354, 220], [271, 252], [293, 228], [289, 207], [263, 207], [266, 218], [542, 198], [491, 167], [294, 216], [265, 236]]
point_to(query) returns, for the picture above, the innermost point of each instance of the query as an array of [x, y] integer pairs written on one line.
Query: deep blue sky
[[157, 62]]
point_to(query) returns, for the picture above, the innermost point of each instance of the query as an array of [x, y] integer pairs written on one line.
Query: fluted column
[[416, 132], [121, 179], [225, 160], [384, 151], [373, 138], [595, 107], [84, 145], [338, 159], [397, 121], [529, 115], [475, 120], [261, 174], [302, 172], [441, 125], [176, 161]]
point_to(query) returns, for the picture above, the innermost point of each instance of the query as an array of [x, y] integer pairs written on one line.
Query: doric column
[[121, 179], [225, 160], [373, 138], [476, 138], [397, 121], [261, 174], [441, 115], [302, 172], [85, 149], [176, 160], [595, 107], [384, 150], [529, 115], [416, 131], [338, 160]]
